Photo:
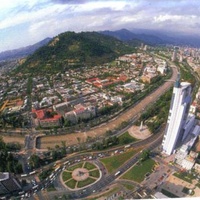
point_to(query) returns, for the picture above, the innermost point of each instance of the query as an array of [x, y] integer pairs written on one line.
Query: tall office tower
[[178, 113]]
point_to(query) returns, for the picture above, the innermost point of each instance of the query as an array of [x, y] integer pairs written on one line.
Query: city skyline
[[25, 22]]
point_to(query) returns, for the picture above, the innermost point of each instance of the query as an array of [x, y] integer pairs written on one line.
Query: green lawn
[[66, 176], [185, 176], [51, 188], [125, 138], [72, 168], [89, 166], [137, 172], [128, 186], [71, 184], [107, 194], [198, 185], [94, 173], [88, 181], [114, 162]]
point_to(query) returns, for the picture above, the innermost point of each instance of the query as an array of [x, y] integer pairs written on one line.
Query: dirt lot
[[14, 139]]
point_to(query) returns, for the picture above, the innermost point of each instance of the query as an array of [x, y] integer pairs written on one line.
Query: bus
[[127, 146], [33, 172], [34, 187], [24, 175], [117, 173], [51, 175], [57, 169], [66, 162]]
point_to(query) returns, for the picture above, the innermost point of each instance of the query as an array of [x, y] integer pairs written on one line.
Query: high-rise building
[[175, 130]]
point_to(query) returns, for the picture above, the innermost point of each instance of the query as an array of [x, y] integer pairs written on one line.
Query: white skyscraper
[[178, 113]]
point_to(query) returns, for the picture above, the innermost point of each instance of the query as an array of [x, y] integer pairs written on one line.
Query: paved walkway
[[135, 132], [175, 185]]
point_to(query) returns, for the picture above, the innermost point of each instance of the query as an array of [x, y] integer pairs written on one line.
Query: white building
[[177, 117], [159, 195], [189, 161], [162, 69]]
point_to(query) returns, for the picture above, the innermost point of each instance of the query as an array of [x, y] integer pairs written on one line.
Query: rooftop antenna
[[177, 83]]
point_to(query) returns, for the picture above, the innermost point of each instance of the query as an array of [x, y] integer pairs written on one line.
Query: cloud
[[69, 1], [31, 16], [43, 18]]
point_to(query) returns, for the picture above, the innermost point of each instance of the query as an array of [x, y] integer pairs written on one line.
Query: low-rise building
[[162, 69], [62, 108], [9, 183], [189, 161], [45, 118], [197, 167]]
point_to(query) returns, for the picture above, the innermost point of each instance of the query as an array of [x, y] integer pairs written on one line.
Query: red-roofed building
[[45, 118], [122, 78], [96, 84], [92, 80]]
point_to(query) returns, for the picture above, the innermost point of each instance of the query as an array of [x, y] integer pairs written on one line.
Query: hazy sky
[[24, 22]]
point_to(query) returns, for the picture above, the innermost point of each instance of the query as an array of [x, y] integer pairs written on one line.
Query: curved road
[[105, 181], [48, 141]]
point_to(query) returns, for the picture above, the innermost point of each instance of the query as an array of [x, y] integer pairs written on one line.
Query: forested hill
[[74, 49]]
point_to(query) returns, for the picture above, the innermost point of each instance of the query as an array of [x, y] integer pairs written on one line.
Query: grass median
[[138, 172], [114, 162]]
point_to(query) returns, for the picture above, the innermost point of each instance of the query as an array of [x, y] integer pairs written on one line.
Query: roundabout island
[[80, 175]]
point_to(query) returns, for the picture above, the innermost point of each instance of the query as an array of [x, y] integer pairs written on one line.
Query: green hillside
[[74, 50]]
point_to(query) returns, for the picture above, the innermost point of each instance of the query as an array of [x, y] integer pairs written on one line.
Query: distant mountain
[[126, 35], [154, 37], [72, 49], [22, 52]]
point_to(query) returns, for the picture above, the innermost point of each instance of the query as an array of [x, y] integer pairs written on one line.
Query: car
[[147, 174]]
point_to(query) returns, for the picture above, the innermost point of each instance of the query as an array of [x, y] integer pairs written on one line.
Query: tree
[[34, 161], [18, 168], [63, 143], [63, 151], [78, 139], [2, 143], [56, 155], [145, 155]]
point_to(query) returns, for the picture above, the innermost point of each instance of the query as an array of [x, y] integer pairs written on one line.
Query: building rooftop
[[4, 176]]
